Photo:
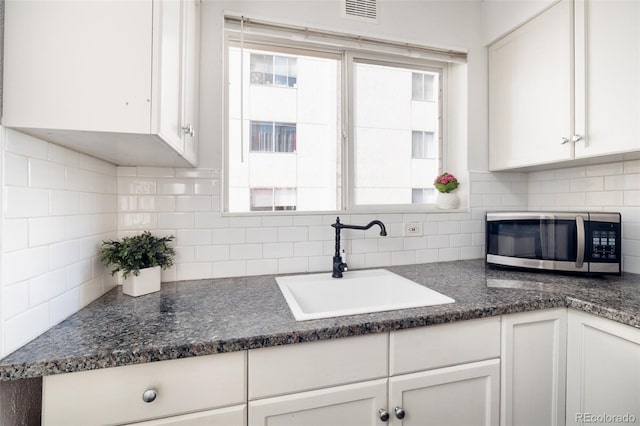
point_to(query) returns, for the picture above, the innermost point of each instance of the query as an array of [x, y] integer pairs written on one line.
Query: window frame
[[345, 191]]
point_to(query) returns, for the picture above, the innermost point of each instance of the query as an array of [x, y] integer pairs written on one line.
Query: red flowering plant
[[446, 182]]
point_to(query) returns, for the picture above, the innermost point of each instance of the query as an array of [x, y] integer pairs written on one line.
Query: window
[[272, 70], [422, 87], [273, 199], [422, 145], [423, 195], [273, 137], [363, 117]]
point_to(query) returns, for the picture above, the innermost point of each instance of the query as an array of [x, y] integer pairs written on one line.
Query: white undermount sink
[[315, 296]]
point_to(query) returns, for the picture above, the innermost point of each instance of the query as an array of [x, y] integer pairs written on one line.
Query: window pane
[[261, 199], [264, 150], [285, 198], [416, 196], [261, 136], [428, 87], [392, 135], [285, 138], [416, 86]]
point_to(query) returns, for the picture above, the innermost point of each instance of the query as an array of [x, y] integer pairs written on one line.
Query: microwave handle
[[580, 237]]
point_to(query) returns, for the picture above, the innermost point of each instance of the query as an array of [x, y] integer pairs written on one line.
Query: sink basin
[[315, 296]]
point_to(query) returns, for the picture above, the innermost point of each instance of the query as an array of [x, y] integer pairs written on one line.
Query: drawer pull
[[399, 411], [149, 395]]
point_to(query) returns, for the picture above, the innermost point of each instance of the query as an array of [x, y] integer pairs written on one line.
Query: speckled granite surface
[[211, 316]]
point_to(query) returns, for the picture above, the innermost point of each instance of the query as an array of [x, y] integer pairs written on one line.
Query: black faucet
[[338, 265]]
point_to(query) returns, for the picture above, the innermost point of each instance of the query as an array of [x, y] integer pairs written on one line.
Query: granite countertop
[[221, 315]]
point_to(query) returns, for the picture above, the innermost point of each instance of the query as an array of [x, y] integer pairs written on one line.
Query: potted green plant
[[445, 184], [139, 258]]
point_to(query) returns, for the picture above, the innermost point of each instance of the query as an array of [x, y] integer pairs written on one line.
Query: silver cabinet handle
[[580, 238], [564, 140], [577, 138], [188, 130], [399, 411], [149, 395], [384, 415]]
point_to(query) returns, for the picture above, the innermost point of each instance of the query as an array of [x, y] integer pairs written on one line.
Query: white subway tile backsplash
[[369, 245], [175, 186], [45, 174], [193, 237], [245, 251], [159, 172], [427, 256], [16, 234], [403, 257], [16, 170], [606, 169], [228, 236], [62, 155], [24, 264], [65, 305], [194, 271], [78, 273], [64, 254], [15, 299], [631, 198], [231, 268], [158, 203], [211, 253], [262, 235], [438, 241], [26, 326], [604, 198], [449, 228], [262, 267], [277, 250], [380, 259], [26, 202], [288, 265], [20, 143], [449, 254], [211, 220], [47, 230], [245, 222], [286, 234], [277, 221], [193, 203], [135, 186], [178, 220], [307, 248], [206, 187], [46, 287], [414, 243]]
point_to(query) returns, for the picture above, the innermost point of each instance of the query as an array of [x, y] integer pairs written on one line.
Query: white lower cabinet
[[353, 405], [442, 375], [147, 391], [534, 368], [228, 416], [462, 395], [603, 371]]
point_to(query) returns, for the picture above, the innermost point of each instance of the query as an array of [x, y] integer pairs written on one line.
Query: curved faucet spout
[[338, 265]]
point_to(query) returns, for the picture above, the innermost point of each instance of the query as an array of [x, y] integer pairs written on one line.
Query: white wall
[[502, 16], [58, 206]]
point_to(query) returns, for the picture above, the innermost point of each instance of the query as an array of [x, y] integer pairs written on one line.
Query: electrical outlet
[[412, 228]]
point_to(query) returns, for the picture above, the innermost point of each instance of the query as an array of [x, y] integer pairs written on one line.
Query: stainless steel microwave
[[556, 241]]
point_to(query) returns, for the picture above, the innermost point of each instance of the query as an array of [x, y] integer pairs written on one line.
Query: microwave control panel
[[605, 242]]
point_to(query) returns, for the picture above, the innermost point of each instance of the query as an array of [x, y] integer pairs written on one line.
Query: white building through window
[[366, 128], [273, 199], [423, 196]]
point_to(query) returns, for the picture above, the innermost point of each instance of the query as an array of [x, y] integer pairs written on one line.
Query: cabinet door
[[353, 405], [607, 76], [463, 395], [603, 371], [230, 416], [533, 368], [530, 92], [191, 79]]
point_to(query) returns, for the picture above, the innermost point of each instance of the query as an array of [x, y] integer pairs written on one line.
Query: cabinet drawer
[[228, 416], [294, 368], [437, 346], [114, 395]]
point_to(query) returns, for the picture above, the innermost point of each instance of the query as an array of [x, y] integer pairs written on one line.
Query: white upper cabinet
[[566, 85], [113, 79], [607, 77]]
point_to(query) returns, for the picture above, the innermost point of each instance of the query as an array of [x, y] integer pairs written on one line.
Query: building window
[[423, 196], [422, 87], [273, 199], [422, 145], [273, 70], [273, 137]]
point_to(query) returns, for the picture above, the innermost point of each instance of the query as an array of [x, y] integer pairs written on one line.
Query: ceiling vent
[[361, 10]]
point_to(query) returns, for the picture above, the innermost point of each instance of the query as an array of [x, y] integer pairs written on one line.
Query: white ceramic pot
[[447, 200], [147, 282]]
